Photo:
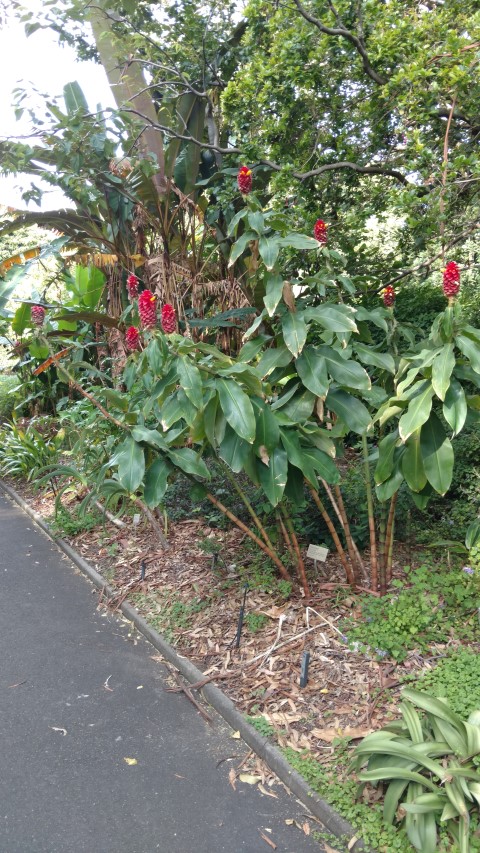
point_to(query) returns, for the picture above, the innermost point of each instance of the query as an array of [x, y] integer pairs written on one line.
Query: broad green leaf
[[323, 464], [294, 332], [274, 357], [234, 450], [191, 381], [273, 295], [345, 372], [253, 328], [297, 457], [38, 350], [131, 465], [422, 499], [21, 318], [246, 374], [174, 410], [312, 369], [156, 357], [233, 224], [209, 417], [471, 350], [299, 407], [442, 370], [256, 221], [269, 248], [267, 430], [120, 401], [437, 455], [295, 489], [186, 459], [412, 463], [151, 436], [156, 481], [418, 411], [351, 411], [273, 478], [334, 318], [382, 360], [240, 245], [75, 100], [253, 348], [387, 489], [455, 407], [386, 450], [237, 408], [299, 241]]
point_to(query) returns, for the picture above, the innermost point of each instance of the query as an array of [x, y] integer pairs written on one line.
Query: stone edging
[[269, 753]]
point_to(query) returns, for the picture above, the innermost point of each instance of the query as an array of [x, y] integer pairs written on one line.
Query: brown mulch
[[195, 600]]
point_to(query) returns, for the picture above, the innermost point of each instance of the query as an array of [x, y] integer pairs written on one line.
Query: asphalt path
[[96, 756]]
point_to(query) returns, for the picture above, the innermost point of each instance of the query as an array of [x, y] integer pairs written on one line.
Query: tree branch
[[341, 31]]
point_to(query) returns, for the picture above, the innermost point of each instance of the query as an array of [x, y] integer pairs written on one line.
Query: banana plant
[[427, 763]]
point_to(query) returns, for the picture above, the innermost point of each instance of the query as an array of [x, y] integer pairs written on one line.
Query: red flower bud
[[169, 321], [451, 280], [37, 314], [132, 286], [132, 339], [320, 231], [388, 296], [244, 180], [147, 309]]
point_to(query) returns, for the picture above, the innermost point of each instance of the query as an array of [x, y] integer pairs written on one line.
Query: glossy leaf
[[349, 410], [186, 459], [237, 408], [273, 295], [382, 360], [296, 456], [442, 370], [151, 436], [240, 245], [191, 381], [267, 430], [418, 411], [299, 407], [294, 332], [234, 450], [345, 372], [471, 350], [386, 450], [412, 463], [273, 478], [334, 318], [455, 407], [156, 482], [437, 455], [131, 465], [312, 369], [269, 248]]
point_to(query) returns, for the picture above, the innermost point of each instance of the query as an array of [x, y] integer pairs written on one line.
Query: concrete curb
[[269, 753]]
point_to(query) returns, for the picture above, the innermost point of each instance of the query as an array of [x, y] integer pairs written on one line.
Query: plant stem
[[153, 521], [382, 549], [285, 535], [353, 551], [333, 533], [389, 537], [371, 516], [271, 554], [300, 562], [248, 505]]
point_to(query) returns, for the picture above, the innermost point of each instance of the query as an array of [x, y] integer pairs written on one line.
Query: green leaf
[[209, 418], [151, 436], [120, 401], [351, 411], [156, 357], [75, 100], [237, 408], [471, 350], [156, 481], [345, 372], [442, 370], [418, 411], [233, 224], [273, 295], [234, 450], [89, 317], [299, 407], [131, 465], [312, 369], [387, 489], [455, 407], [269, 248], [191, 381], [382, 360], [386, 450], [412, 463], [274, 357], [273, 478], [298, 241], [21, 318], [256, 221], [186, 459], [437, 455], [334, 318], [38, 350], [267, 430], [294, 332], [240, 245], [296, 456]]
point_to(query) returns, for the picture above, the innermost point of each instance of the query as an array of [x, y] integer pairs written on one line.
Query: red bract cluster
[[132, 339], [38, 315], [147, 309], [169, 321], [132, 286], [320, 231], [451, 280], [388, 296], [244, 180]]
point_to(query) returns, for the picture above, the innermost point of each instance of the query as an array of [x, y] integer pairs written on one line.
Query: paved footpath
[[78, 696]]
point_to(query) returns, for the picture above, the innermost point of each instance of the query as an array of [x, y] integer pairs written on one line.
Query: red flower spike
[[244, 180], [169, 320], [320, 231], [132, 339], [147, 309], [388, 296], [451, 280], [132, 286], [38, 315]]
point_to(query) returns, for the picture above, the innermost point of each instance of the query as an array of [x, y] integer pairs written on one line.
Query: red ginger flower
[[147, 309], [169, 321], [244, 180], [451, 280], [37, 314], [132, 286], [388, 296], [132, 339], [320, 231]]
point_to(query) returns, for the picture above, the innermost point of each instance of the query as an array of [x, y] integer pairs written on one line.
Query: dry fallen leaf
[[267, 793], [353, 841], [306, 828], [332, 733], [268, 840], [58, 729], [235, 735], [249, 778], [232, 776], [329, 849], [130, 761], [289, 821]]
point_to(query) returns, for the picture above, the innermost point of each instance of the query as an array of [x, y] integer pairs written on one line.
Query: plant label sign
[[317, 552]]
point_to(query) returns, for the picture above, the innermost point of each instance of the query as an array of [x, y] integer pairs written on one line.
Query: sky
[[40, 63]]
